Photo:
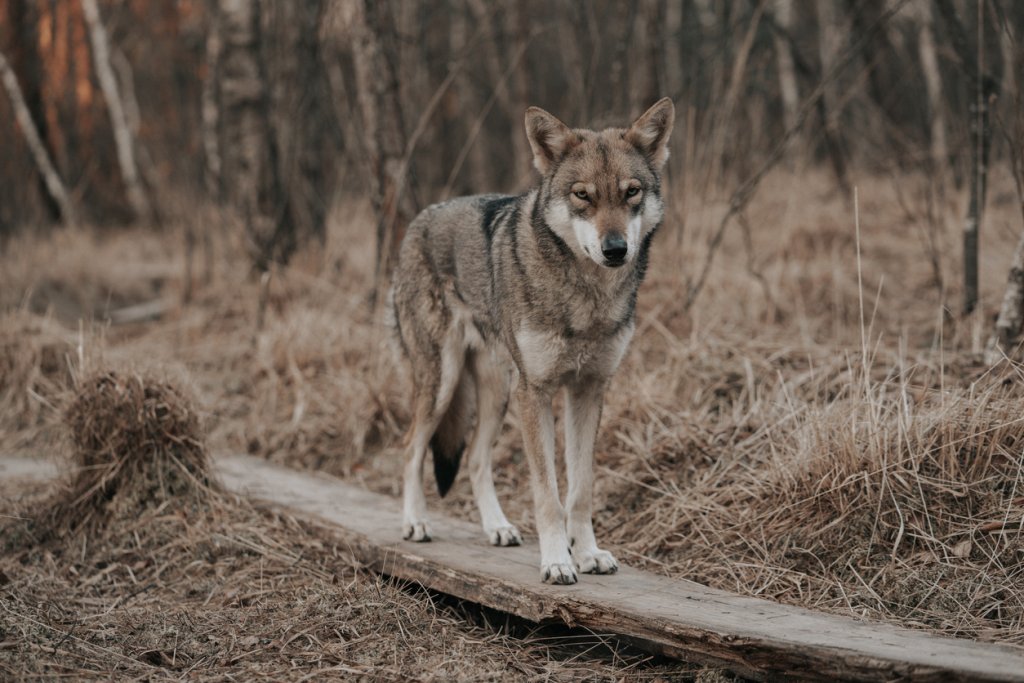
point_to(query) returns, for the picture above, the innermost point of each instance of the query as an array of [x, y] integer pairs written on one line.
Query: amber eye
[[581, 194], [632, 192]]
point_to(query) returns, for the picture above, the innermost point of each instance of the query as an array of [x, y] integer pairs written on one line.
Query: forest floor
[[810, 431]]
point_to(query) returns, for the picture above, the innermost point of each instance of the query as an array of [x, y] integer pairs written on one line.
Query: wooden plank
[[750, 636]]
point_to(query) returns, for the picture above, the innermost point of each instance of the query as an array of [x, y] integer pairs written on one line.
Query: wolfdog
[[537, 291]]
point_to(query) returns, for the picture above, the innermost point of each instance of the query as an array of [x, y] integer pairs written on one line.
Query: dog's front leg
[[538, 425], [584, 399]]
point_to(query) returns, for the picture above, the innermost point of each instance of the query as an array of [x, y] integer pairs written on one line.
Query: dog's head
[[602, 190]]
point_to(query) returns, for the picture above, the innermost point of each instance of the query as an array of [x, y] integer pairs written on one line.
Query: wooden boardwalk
[[753, 637]]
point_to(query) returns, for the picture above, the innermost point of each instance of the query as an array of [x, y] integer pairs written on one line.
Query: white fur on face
[[588, 239], [582, 235], [633, 235]]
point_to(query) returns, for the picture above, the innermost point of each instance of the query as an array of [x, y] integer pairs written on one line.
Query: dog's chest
[[549, 356]]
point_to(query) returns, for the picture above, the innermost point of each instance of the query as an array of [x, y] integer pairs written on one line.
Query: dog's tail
[[449, 440]]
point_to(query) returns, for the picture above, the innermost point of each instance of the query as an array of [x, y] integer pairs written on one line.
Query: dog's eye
[[633, 191], [581, 194]]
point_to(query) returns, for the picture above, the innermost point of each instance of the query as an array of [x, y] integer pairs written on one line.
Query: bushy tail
[[449, 441]]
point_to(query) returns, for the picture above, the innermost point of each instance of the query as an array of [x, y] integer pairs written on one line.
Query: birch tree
[[371, 27], [123, 138], [249, 159], [788, 88]]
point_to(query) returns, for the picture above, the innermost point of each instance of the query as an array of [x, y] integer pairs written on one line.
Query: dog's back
[[448, 250]]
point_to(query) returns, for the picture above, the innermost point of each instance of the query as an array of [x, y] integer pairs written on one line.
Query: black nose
[[613, 246]]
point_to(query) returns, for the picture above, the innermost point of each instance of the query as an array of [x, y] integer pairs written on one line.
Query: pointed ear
[[550, 139], [650, 132]]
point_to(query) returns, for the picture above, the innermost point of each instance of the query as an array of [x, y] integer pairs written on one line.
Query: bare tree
[[209, 108], [933, 85], [788, 87], [371, 24], [510, 95], [123, 138], [249, 146], [985, 88]]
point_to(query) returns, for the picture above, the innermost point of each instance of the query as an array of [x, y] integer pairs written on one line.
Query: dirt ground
[[807, 432], [225, 591]]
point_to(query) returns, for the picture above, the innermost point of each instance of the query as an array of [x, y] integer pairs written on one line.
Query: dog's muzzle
[[614, 248]]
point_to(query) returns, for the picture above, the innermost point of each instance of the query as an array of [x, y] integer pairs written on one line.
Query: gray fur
[[493, 287]]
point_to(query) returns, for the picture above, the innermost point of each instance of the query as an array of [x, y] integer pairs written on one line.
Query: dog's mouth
[[614, 262]]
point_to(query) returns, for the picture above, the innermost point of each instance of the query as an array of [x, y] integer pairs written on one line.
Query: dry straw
[[137, 443]]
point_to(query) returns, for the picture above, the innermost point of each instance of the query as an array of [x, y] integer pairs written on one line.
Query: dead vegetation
[[776, 440], [226, 591], [138, 567]]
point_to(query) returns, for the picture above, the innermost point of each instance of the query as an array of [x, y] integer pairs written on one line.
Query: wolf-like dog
[[541, 287]]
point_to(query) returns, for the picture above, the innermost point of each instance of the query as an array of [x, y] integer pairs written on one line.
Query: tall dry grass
[[771, 440]]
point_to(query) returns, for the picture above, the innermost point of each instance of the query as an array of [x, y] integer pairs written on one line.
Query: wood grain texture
[[753, 637]]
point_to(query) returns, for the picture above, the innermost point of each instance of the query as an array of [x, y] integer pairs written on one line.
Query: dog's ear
[[650, 132], [550, 139]]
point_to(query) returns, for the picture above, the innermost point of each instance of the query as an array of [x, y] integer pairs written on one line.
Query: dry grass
[[769, 441], [228, 592], [140, 568]]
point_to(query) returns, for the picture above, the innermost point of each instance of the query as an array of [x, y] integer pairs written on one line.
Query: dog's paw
[[504, 535], [561, 574], [416, 531], [596, 562]]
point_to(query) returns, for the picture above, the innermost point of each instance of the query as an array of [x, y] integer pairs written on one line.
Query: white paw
[[558, 573], [595, 562], [416, 531], [504, 535]]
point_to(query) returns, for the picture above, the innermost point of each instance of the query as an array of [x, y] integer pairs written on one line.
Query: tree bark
[[788, 87], [26, 62], [373, 51], [54, 185], [828, 39], [123, 138], [509, 95], [209, 110], [933, 86], [671, 52], [249, 145], [985, 89]]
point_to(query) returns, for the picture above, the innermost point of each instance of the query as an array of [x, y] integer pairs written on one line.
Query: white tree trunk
[[788, 86], [115, 106], [1008, 46], [210, 111], [54, 185]]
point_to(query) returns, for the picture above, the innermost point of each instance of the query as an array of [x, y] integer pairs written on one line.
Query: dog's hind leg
[[492, 388], [433, 395], [583, 402]]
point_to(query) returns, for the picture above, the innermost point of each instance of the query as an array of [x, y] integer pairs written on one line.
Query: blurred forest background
[[274, 109]]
